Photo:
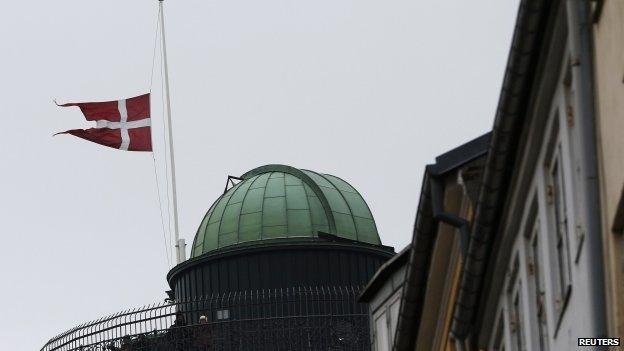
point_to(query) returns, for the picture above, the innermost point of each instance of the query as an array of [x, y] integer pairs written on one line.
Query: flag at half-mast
[[121, 124]]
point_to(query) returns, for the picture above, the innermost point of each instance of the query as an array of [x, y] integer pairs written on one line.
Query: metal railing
[[303, 318]]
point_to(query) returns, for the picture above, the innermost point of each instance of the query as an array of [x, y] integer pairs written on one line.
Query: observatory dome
[[282, 203]]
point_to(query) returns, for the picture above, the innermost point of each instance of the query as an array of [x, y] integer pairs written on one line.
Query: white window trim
[[498, 337], [560, 131], [553, 149], [535, 277], [385, 309]]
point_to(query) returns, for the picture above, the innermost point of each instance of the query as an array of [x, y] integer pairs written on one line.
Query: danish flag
[[121, 124]]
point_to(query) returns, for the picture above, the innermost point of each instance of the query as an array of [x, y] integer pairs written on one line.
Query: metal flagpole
[[180, 245]]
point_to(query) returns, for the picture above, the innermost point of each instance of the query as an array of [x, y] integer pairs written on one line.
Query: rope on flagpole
[[162, 220], [168, 252], [154, 50], [162, 100]]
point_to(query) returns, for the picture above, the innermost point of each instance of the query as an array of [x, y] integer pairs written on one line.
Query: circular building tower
[[277, 264], [282, 227]]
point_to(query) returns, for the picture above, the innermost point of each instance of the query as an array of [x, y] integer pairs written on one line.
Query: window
[[394, 314], [516, 317], [223, 314], [498, 340], [558, 226], [569, 100], [538, 292], [386, 318], [382, 341]]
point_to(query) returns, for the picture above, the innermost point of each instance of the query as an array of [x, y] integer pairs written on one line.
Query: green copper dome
[[282, 202]]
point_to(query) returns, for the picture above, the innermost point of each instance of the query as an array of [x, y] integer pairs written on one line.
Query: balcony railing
[[310, 318]]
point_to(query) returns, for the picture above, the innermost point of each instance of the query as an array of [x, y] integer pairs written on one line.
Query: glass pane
[[394, 316], [381, 333]]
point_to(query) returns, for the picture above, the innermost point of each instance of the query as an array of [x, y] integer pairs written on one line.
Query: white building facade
[[545, 287]]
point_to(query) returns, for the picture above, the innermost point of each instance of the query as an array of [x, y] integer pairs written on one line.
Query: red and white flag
[[121, 124]]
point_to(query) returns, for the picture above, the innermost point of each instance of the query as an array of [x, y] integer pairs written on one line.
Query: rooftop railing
[[303, 318]]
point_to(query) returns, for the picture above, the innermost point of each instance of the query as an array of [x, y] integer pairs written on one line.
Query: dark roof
[[461, 155], [383, 273], [423, 238]]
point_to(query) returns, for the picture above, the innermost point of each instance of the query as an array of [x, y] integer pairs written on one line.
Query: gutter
[[501, 157], [413, 293]]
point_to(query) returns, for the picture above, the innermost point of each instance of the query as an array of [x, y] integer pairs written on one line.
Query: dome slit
[[346, 202]]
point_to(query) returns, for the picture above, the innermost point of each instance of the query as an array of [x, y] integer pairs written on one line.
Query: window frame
[[385, 311], [515, 306], [536, 283], [498, 340], [558, 219]]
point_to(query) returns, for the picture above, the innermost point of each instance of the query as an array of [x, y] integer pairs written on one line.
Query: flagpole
[[180, 245]]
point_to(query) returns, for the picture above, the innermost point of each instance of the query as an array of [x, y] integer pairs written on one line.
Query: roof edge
[[386, 270]]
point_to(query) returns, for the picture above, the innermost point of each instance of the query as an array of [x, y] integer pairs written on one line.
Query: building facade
[[544, 261], [608, 31], [383, 295]]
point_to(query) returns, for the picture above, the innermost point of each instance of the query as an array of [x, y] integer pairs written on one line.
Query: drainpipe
[[579, 19], [437, 206]]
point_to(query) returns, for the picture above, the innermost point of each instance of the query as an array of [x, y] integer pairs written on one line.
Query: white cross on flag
[[122, 124]]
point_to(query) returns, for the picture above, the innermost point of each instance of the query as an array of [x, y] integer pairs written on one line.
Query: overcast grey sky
[[370, 91]]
